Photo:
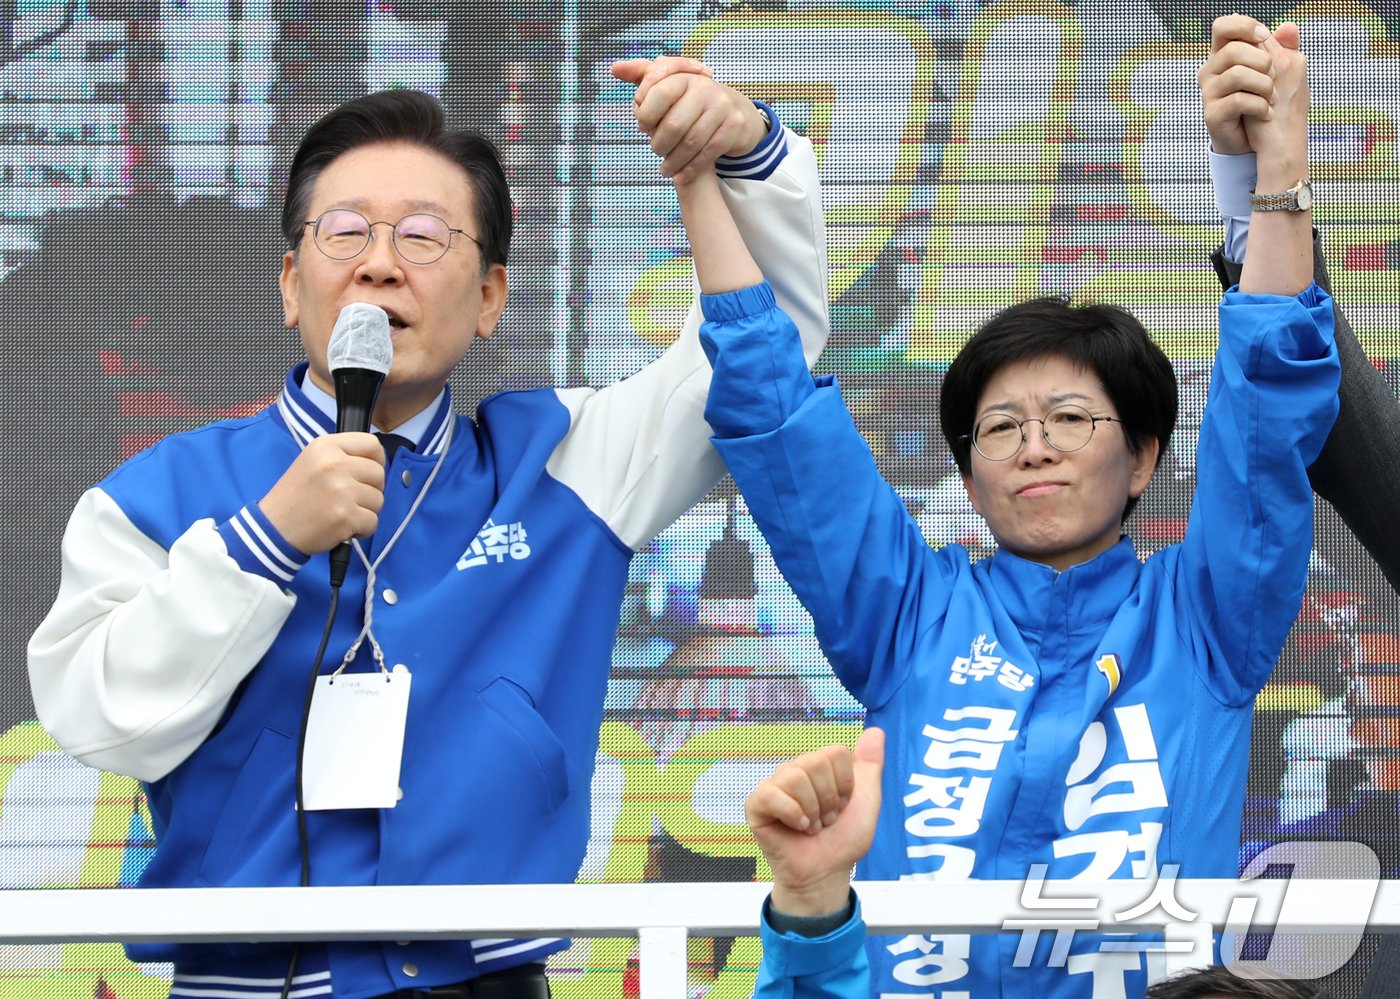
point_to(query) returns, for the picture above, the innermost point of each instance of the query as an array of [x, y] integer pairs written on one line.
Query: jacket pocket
[[245, 832], [513, 706]]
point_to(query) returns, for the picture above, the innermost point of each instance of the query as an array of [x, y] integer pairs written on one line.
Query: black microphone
[[359, 356]]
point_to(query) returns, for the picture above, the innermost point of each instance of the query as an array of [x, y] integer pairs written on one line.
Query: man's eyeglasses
[[420, 239], [998, 436]]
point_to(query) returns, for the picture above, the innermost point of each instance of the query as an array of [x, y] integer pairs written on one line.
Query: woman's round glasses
[[998, 436]]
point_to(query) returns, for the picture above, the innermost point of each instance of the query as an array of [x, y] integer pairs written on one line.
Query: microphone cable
[[303, 846]]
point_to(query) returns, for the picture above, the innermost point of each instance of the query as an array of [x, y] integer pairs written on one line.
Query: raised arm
[[760, 350], [1281, 263], [1236, 79], [1272, 401], [722, 261], [638, 452]]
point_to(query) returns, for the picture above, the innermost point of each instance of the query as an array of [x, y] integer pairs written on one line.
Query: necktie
[[392, 442]]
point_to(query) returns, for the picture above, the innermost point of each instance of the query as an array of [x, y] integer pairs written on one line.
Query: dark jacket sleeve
[[1358, 471]]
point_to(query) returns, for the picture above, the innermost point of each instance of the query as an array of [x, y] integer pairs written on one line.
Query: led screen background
[[971, 154]]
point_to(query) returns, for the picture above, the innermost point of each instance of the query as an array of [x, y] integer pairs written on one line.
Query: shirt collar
[[309, 412]]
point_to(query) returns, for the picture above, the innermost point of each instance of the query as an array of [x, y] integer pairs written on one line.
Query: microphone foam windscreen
[[361, 339]]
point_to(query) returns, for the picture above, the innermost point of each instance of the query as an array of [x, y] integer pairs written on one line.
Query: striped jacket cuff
[[496, 954], [760, 162], [258, 547]]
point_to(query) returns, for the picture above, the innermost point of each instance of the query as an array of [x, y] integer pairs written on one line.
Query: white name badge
[[354, 740]]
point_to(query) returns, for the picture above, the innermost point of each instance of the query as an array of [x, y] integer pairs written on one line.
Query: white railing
[[661, 916]]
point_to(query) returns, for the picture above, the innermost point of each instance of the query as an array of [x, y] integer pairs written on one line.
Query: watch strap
[[1292, 200]]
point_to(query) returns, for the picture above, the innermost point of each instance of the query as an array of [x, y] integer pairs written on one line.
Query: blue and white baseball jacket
[[180, 644], [1095, 721]]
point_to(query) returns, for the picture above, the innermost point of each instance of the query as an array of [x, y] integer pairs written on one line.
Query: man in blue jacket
[[489, 564]]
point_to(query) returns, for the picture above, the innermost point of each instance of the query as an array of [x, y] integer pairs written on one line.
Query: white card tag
[[354, 740]]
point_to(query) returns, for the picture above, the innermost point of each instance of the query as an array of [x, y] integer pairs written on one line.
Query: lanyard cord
[[366, 630]]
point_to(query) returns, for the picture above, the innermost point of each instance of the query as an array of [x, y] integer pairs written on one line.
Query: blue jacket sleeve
[[841, 536], [752, 346], [1243, 563], [833, 966]]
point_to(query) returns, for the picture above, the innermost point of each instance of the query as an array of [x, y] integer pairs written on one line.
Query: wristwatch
[[1298, 198]]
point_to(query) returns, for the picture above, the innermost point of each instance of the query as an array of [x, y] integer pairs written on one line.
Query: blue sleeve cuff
[[258, 547], [732, 306], [1311, 297], [787, 955], [759, 162], [760, 374]]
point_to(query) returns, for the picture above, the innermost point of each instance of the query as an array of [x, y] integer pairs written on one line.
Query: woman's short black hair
[[1105, 340]]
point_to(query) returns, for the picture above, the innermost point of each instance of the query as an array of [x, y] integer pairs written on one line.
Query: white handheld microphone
[[359, 355]]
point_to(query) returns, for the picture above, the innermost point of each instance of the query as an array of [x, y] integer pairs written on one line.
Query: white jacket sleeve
[[638, 453], [143, 648]]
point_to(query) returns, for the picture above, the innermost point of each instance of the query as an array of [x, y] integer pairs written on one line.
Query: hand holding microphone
[[335, 488]]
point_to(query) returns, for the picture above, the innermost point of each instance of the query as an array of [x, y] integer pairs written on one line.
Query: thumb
[[869, 763], [631, 70], [1288, 35]]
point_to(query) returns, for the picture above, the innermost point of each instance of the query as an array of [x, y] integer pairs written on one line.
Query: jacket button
[[390, 597], [407, 478], [411, 970]]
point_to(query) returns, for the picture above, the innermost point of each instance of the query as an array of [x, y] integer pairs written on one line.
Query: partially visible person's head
[[362, 170], [1218, 982], [1057, 497]]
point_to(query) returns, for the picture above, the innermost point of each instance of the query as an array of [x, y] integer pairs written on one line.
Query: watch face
[[1304, 196]]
